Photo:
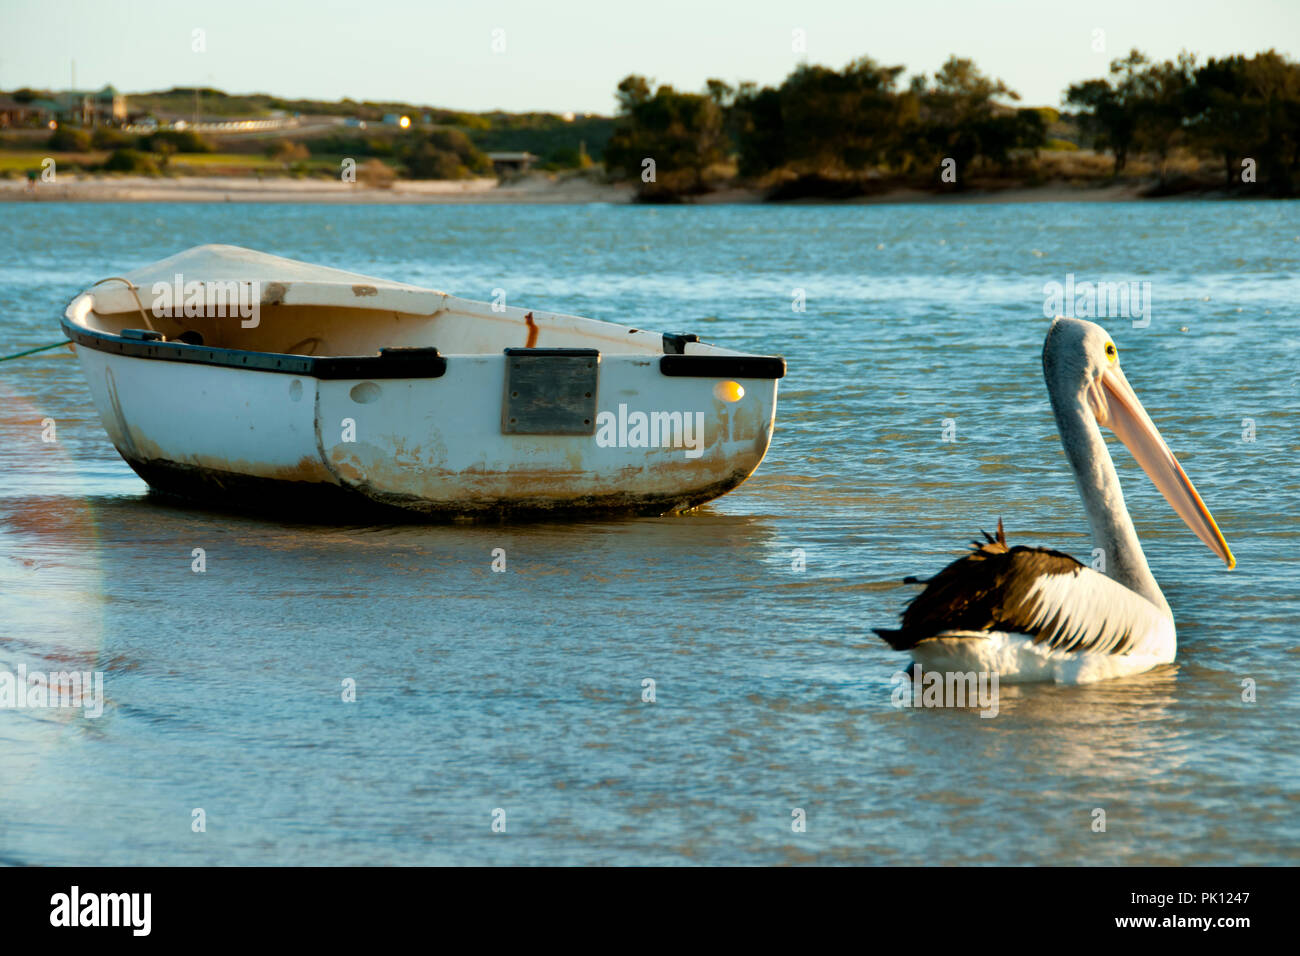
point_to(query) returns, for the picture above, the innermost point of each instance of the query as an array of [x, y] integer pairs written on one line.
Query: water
[[522, 691]]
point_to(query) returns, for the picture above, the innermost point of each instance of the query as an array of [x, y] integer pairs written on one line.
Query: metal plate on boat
[[550, 392]]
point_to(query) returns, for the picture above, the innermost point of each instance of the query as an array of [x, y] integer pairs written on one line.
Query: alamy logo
[[134, 910], [1098, 300], [56, 689], [208, 299], [922, 688], [653, 430]]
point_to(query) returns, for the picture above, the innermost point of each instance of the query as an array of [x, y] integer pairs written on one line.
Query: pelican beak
[[1121, 411]]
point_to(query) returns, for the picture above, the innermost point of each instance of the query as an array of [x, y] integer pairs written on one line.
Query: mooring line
[[39, 348]]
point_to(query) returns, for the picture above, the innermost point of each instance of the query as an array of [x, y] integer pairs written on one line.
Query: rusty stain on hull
[[360, 476], [338, 483], [532, 331], [359, 290], [382, 475], [224, 488], [306, 470], [235, 489], [607, 502], [273, 293]]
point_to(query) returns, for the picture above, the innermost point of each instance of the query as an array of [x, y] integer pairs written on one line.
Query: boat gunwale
[[323, 367], [387, 364]]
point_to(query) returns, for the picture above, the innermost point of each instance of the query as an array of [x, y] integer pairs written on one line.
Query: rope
[[147, 324], [139, 305], [39, 348]]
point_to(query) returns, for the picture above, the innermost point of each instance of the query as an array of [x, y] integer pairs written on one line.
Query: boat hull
[[426, 446]]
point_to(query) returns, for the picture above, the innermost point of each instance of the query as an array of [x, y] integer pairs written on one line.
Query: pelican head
[[1084, 379]]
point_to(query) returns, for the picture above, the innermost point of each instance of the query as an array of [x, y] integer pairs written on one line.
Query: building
[[13, 113], [511, 162], [105, 107]]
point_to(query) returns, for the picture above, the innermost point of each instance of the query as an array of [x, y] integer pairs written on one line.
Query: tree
[[757, 124], [962, 120], [1242, 108], [720, 92], [1160, 106], [841, 121], [681, 132], [1273, 93], [825, 122], [1221, 120], [443, 154], [632, 92], [1002, 133], [1109, 113]]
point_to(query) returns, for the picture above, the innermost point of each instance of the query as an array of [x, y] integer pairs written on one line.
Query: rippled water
[[522, 691]]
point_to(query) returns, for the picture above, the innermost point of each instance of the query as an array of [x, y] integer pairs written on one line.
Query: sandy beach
[[531, 189], [536, 189]]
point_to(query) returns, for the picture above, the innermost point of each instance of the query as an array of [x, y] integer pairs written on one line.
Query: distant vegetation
[[681, 134], [1229, 124], [443, 154], [419, 153], [132, 161], [837, 133], [1233, 109], [69, 140], [175, 141], [440, 143]]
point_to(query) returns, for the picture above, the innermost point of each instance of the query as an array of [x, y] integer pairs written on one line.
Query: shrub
[[444, 154], [131, 161], [287, 151], [180, 141], [376, 173], [566, 157], [69, 140], [106, 138]]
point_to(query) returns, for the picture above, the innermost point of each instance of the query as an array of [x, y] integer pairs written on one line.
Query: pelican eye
[[1111, 353]]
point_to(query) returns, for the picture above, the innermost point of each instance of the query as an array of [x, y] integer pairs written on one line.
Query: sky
[[568, 55]]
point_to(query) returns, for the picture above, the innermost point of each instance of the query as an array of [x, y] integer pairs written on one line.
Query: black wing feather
[[986, 590]]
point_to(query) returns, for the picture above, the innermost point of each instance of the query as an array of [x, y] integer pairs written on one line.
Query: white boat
[[228, 375]]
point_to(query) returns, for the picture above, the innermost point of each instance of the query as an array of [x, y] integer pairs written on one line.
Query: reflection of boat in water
[[265, 379], [1032, 614]]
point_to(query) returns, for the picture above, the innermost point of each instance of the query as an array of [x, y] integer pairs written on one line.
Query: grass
[[20, 161], [204, 162], [210, 164], [14, 162]]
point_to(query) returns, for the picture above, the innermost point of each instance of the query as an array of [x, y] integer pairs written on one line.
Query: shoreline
[[527, 191], [223, 189]]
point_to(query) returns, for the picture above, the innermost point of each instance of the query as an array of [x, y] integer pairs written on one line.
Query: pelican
[[1032, 614]]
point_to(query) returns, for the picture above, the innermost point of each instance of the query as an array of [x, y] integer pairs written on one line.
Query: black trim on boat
[[561, 353], [393, 362], [389, 363], [675, 342], [141, 335], [723, 366]]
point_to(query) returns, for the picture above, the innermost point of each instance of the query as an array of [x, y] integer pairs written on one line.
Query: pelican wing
[[1045, 594]]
